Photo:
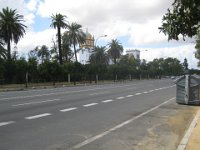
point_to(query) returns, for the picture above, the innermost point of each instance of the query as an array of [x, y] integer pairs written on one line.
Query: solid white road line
[[106, 101], [185, 139], [129, 95], [92, 139], [91, 104], [31, 103], [120, 98], [68, 109], [37, 116], [6, 123]]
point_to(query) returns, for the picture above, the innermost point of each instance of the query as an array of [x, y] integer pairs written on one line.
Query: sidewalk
[[191, 139], [194, 140]]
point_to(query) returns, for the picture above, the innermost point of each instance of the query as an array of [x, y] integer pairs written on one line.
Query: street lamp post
[[99, 38], [97, 78]]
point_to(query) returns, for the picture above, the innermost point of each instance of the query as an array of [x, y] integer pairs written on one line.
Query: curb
[[187, 135]]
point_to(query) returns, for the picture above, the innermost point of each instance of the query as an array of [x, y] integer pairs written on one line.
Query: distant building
[[135, 53], [86, 49]]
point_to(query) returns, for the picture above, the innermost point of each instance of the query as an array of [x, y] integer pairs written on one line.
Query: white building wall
[[135, 53], [84, 55]]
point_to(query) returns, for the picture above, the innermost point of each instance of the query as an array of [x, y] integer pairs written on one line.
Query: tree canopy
[[76, 36], [115, 50], [183, 19], [11, 27]]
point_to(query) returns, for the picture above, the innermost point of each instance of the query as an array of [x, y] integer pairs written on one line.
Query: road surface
[[81, 117]]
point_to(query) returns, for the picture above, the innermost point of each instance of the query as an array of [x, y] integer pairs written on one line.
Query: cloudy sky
[[133, 22]]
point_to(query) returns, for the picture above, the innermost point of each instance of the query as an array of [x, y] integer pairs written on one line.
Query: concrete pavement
[[194, 140]]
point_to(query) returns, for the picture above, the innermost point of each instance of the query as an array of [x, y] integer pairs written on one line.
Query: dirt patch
[[167, 134], [180, 122]]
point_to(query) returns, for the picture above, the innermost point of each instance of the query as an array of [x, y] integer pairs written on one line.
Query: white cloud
[[32, 4], [33, 39], [179, 52]]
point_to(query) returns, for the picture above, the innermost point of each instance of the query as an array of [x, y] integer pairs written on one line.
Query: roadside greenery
[[57, 64]]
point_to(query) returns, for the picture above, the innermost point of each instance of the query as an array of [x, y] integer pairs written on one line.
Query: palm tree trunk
[[9, 51], [59, 46], [75, 52], [115, 61]]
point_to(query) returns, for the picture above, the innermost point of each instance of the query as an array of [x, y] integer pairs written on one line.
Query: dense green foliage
[[197, 46], [75, 36], [183, 19], [51, 71], [115, 50]]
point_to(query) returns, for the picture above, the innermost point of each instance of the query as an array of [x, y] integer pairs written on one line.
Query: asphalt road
[[76, 117]]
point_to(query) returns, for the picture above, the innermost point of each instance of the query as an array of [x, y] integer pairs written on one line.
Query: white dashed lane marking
[[138, 93], [120, 98], [106, 101], [91, 104], [39, 102], [38, 116], [73, 108], [68, 109], [129, 96], [6, 123]]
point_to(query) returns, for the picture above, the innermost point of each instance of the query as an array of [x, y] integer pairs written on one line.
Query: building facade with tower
[[134, 52], [86, 49]]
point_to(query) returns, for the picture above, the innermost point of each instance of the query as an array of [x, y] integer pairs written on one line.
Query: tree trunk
[[9, 51], [59, 46], [75, 53]]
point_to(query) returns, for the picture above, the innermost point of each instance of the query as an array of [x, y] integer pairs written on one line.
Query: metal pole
[[26, 79], [69, 78], [187, 88], [96, 78]]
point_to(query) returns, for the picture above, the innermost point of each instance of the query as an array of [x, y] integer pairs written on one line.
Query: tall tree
[[183, 19], [11, 28], [67, 51], [76, 36], [58, 21], [115, 50], [99, 56], [43, 53]]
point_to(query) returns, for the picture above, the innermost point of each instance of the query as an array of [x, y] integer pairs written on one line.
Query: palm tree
[[11, 28], [99, 56], [76, 36], [58, 21], [67, 51], [115, 50], [44, 53], [3, 53]]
